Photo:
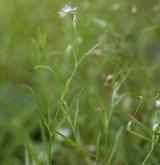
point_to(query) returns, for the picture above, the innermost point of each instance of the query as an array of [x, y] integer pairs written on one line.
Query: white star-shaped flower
[[67, 9]]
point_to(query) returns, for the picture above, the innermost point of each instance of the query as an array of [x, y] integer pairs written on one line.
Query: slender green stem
[[154, 141], [148, 155], [50, 150]]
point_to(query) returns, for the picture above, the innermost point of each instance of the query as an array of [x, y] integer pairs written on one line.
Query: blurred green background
[[32, 34]]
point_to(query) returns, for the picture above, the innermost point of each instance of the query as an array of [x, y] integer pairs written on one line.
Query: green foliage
[[79, 89]]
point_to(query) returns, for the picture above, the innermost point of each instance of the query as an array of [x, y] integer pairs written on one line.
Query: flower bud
[[155, 128], [157, 103]]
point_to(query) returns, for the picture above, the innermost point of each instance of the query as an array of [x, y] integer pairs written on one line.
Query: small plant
[[79, 82]]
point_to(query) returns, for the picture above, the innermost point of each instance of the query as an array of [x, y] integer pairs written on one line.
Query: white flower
[[64, 131], [157, 103], [67, 9], [156, 128]]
